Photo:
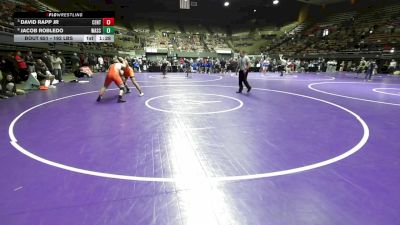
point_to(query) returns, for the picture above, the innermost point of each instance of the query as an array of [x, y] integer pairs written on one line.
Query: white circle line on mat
[[147, 103], [379, 90], [351, 151], [311, 86], [175, 81]]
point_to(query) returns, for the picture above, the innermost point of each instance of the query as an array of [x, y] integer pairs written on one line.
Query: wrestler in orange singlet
[[115, 71], [129, 74]]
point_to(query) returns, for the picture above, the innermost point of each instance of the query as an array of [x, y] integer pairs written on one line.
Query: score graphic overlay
[[64, 26]]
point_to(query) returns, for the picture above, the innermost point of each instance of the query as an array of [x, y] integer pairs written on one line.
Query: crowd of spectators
[[187, 42], [290, 65], [190, 43], [6, 14], [373, 31], [8, 8], [173, 64], [266, 64], [215, 42], [42, 70]]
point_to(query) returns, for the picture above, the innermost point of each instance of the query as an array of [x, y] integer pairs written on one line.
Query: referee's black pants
[[243, 79]]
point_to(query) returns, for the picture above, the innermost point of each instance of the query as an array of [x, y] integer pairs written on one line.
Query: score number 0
[[108, 21]]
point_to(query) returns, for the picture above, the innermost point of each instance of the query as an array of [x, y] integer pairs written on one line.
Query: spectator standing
[[370, 70], [22, 67], [106, 61], [75, 62], [207, 66], [140, 61], [341, 66], [100, 60], [92, 61], [30, 61], [392, 66], [362, 65], [56, 61], [349, 64], [164, 65], [59, 54], [282, 65], [223, 66]]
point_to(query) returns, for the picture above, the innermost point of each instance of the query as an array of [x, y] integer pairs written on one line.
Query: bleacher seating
[[369, 29], [366, 30]]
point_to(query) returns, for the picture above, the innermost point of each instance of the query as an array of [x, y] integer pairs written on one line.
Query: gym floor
[[299, 149]]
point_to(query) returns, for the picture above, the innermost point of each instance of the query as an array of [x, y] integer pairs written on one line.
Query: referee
[[243, 67]]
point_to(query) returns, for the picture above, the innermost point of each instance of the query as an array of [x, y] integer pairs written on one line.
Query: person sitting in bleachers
[[8, 65], [2, 95], [43, 74], [8, 86]]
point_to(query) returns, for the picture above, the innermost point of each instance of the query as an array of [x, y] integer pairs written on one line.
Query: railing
[[6, 29]]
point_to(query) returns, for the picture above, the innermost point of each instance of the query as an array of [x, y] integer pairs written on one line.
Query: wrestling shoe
[[120, 100]]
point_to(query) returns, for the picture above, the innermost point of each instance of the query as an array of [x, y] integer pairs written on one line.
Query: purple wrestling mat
[[298, 149]]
